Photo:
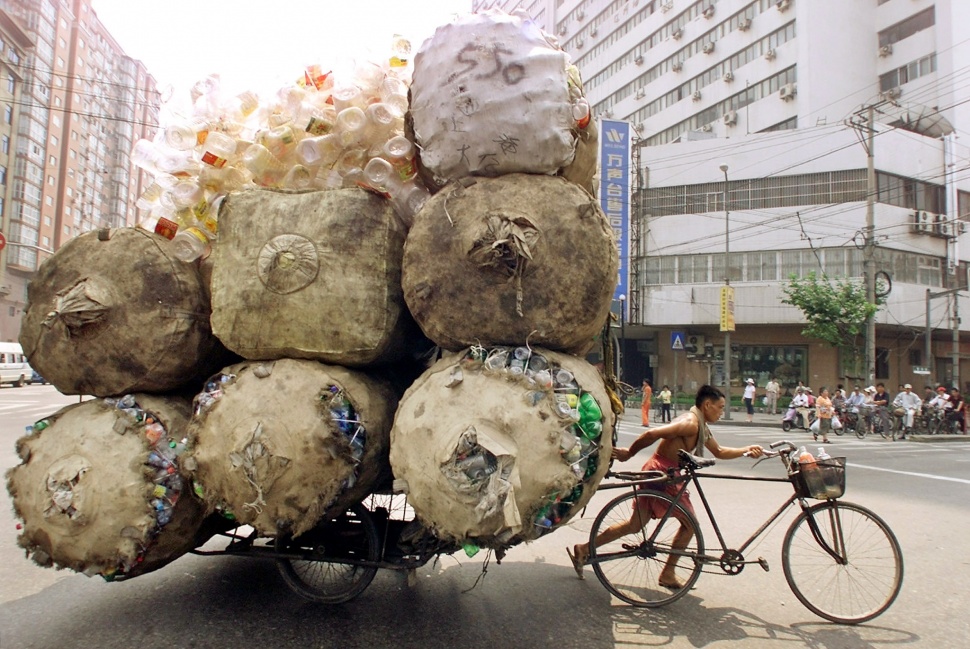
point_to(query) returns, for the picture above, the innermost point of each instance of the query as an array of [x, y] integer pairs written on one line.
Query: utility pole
[[727, 284], [870, 245]]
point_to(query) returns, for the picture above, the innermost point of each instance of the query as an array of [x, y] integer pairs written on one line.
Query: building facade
[[754, 122], [79, 107]]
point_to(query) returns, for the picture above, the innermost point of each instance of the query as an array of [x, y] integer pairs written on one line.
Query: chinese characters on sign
[[615, 191], [727, 308]]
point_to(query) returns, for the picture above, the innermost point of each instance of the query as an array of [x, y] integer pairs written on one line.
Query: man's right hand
[[622, 454]]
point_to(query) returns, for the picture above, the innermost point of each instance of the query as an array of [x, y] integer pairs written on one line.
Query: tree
[[835, 310]]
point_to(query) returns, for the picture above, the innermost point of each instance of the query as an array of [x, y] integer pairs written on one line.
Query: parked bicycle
[[841, 560]]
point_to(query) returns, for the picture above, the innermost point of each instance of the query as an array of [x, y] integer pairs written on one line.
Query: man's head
[[880, 387], [907, 388], [955, 391], [800, 390], [710, 401], [856, 389], [941, 390]]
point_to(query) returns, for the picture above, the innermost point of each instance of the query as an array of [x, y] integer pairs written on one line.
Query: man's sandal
[[578, 560]]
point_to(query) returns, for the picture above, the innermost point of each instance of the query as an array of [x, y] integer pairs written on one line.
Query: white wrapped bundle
[[493, 94]]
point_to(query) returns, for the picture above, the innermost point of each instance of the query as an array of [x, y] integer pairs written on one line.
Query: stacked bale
[[504, 256], [113, 312], [99, 487], [277, 444]]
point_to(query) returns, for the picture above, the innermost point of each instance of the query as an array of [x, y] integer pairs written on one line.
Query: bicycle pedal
[[763, 563]]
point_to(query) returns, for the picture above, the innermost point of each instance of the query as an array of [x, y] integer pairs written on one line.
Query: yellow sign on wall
[[727, 308]]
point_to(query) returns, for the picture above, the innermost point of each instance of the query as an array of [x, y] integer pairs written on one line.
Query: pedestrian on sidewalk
[[771, 391], [824, 411], [645, 406], [749, 394], [665, 398]]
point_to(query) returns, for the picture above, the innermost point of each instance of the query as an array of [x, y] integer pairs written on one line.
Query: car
[[36, 378]]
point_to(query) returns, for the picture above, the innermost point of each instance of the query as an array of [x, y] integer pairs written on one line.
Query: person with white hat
[[749, 394], [910, 402]]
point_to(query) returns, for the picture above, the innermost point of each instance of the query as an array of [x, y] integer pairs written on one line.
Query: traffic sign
[[3, 241], [677, 340]]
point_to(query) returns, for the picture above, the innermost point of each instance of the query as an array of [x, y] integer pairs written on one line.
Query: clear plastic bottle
[[186, 134], [298, 177], [218, 149], [314, 151], [190, 244], [351, 126], [399, 151], [266, 168], [144, 155], [380, 176]]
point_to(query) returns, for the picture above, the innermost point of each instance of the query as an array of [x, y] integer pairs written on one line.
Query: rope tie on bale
[[84, 303], [506, 247]]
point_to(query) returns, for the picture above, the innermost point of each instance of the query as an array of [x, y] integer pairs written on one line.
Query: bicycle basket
[[823, 482]]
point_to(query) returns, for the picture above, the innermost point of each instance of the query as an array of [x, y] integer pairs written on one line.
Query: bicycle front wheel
[[865, 580], [630, 566]]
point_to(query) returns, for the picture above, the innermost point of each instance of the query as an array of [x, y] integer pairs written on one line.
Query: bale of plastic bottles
[[502, 445], [277, 444], [113, 312], [498, 261], [100, 489], [313, 275], [493, 94]]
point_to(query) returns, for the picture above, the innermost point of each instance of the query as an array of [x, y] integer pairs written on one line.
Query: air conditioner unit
[[892, 93], [697, 342], [707, 128], [676, 34], [728, 76], [580, 15], [885, 50], [787, 91], [730, 118], [594, 31], [708, 47], [677, 66], [770, 55], [696, 96], [580, 43], [562, 30], [639, 59], [667, 6], [963, 227], [941, 227], [709, 12], [640, 93], [922, 223], [783, 5], [607, 113], [745, 24]]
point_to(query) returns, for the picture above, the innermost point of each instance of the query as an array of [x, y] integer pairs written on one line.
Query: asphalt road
[[533, 599]]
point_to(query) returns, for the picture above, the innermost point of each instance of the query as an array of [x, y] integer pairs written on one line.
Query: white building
[[778, 90]]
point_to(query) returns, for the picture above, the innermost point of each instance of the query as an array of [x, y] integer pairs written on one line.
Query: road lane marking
[[909, 473]]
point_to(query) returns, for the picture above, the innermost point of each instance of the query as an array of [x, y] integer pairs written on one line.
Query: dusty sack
[[499, 446], [493, 94], [503, 260], [99, 488], [310, 275], [275, 444], [113, 312]]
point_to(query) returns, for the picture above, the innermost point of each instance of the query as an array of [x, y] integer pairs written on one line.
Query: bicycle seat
[[693, 461]]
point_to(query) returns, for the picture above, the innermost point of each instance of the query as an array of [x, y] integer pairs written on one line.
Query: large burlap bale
[[273, 446], [491, 451], [113, 312], [502, 260], [99, 489], [493, 94], [312, 275]]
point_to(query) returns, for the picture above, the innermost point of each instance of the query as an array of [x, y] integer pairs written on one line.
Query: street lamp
[[727, 282], [619, 352]]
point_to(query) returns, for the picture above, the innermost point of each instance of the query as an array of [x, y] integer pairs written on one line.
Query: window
[[788, 365], [906, 28], [11, 84], [8, 114], [5, 144], [3, 175], [882, 363]]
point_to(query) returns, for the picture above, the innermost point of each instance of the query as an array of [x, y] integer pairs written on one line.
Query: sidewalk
[[632, 417]]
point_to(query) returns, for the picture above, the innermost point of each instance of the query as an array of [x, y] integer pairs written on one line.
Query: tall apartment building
[[80, 106], [778, 92]]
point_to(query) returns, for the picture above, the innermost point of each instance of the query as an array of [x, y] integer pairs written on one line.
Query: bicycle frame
[[691, 476]]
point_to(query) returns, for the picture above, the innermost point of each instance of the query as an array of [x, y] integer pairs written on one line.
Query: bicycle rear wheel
[[849, 592], [350, 536], [630, 566]]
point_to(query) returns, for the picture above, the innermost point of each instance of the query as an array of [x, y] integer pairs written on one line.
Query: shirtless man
[[689, 432]]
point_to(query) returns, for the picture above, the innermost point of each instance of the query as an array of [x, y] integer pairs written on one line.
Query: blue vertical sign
[[615, 193]]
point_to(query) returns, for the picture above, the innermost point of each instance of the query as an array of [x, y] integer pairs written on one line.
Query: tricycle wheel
[[329, 571], [786, 426]]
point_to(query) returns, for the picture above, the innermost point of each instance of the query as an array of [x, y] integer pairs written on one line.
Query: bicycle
[[840, 559]]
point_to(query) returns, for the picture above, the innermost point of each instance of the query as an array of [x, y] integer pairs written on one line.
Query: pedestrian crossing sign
[[677, 340]]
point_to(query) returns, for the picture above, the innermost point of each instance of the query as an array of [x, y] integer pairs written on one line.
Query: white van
[[13, 365]]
